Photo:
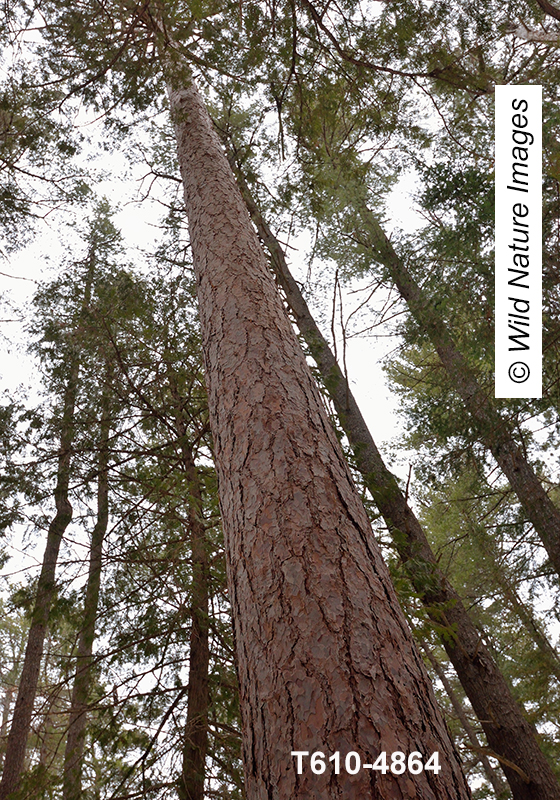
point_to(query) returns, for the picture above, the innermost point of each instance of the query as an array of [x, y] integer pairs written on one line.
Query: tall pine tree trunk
[[493, 430], [326, 660], [509, 734], [74, 752]]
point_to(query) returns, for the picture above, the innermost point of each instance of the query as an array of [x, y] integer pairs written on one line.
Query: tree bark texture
[[508, 733], [326, 660], [494, 431], [74, 752]]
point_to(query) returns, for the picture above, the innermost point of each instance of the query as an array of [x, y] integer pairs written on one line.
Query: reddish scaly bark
[[326, 660]]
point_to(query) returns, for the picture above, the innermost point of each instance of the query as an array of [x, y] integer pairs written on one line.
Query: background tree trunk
[[21, 721], [506, 583], [193, 771], [6, 706], [500, 788], [74, 752]]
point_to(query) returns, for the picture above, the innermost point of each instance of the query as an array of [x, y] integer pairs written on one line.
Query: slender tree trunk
[[6, 705], [23, 711], [11, 681], [21, 721], [74, 752], [533, 628], [525, 614], [494, 779], [509, 734], [326, 660], [193, 772], [44, 729], [493, 430]]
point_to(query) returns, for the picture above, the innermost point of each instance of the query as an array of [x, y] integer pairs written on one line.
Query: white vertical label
[[518, 300]]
